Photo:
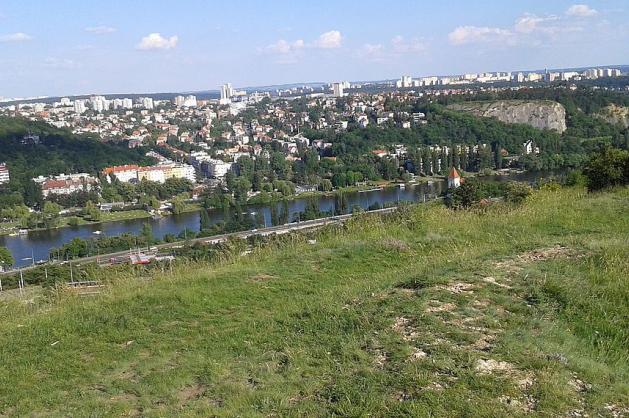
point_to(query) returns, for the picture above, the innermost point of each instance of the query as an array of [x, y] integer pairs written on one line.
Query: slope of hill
[[541, 114], [500, 312], [59, 151]]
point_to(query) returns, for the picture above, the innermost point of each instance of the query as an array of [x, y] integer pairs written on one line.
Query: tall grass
[[296, 328]]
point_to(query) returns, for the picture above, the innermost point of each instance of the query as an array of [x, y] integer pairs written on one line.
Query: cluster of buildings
[[517, 77], [65, 184], [158, 173], [211, 135]]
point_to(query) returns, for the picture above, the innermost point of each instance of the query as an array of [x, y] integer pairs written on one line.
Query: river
[[37, 244]]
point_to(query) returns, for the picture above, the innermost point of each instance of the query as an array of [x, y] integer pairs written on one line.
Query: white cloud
[[15, 37], [473, 34], [581, 10], [157, 41], [329, 40], [284, 47], [100, 29], [373, 52], [530, 23], [61, 63], [404, 46]]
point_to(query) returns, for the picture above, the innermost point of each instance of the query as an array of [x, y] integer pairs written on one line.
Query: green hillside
[[428, 312]]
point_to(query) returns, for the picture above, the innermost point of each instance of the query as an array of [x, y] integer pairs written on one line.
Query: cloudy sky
[[67, 47]]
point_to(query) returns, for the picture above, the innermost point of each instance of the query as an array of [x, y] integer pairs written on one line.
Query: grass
[[124, 215], [426, 312]]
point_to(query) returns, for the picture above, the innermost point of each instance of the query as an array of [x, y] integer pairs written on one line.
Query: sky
[[68, 47]]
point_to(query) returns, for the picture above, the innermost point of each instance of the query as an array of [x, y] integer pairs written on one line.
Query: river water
[[37, 244]]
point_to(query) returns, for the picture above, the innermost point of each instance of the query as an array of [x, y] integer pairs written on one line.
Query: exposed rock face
[[615, 115], [541, 114]]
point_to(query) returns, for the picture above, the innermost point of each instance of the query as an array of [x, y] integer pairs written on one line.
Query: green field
[[428, 312]]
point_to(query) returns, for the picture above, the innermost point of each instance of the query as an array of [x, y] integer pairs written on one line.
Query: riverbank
[[74, 221]]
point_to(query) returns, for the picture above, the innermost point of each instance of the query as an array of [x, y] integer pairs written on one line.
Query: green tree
[[204, 220], [50, 214], [178, 205], [609, 167], [517, 192], [6, 259], [325, 185], [91, 212], [146, 233], [464, 196]]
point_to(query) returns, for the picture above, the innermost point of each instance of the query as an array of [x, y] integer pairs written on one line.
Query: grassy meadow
[[426, 312]]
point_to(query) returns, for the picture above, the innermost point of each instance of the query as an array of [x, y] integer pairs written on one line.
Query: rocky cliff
[[615, 115], [541, 114]]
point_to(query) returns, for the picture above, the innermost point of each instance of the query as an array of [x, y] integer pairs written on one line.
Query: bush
[[464, 196], [576, 178], [609, 167], [517, 192]]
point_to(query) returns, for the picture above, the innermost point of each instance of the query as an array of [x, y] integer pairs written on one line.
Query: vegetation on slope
[[493, 312], [59, 151]]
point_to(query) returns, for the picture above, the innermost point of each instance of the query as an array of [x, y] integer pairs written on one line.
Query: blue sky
[[73, 47]]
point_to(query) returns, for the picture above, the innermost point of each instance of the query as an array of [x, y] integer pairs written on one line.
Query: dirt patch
[[525, 404], [579, 385], [513, 265], [458, 288], [258, 278], [404, 327], [379, 358], [190, 393], [435, 386], [396, 245], [492, 366], [418, 354], [617, 411], [484, 343], [494, 282], [438, 306], [124, 397], [523, 379]]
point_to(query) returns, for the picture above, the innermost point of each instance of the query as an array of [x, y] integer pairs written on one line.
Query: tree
[[178, 205], [609, 167], [517, 192], [6, 258], [50, 213], [241, 188], [325, 185], [147, 233], [91, 212], [340, 204], [464, 196], [204, 219], [275, 219]]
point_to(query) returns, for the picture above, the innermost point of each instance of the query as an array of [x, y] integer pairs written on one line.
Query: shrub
[[576, 178], [517, 192], [609, 167]]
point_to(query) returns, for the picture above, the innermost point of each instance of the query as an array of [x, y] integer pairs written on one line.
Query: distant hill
[[58, 150], [427, 312]]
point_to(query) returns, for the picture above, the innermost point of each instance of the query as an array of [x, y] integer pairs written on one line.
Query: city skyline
[[79, 49]]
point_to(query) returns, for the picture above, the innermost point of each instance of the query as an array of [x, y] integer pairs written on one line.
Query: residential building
[[64, 184], [337, 89], [226, 93], [124, 173], [4, 173]]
